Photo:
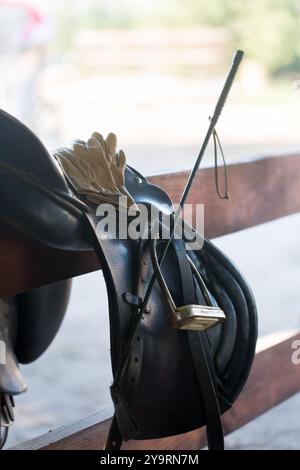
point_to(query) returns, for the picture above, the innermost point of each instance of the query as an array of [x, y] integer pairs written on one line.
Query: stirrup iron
[[186, 317]]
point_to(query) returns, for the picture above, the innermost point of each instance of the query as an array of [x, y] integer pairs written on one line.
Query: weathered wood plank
[[260, 190], [25, 264], [264, 389]]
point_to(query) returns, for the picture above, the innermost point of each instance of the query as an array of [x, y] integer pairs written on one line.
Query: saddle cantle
[[166, 380]]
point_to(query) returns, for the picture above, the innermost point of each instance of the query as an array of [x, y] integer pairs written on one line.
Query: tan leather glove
[[88, 170], [118, 162]]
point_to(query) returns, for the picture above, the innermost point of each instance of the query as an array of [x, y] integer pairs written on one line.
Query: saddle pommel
[[196, 317]]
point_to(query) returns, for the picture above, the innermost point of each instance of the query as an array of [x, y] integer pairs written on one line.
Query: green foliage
[[268, 30]]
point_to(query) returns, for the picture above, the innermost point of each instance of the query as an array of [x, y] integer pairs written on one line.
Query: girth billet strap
[[114, 439], [201, 355], [202, 360]]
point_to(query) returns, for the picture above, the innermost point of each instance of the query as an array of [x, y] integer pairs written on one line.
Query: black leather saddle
[[167, 380]]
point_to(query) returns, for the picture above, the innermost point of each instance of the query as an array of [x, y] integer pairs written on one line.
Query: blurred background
[[151, 71]]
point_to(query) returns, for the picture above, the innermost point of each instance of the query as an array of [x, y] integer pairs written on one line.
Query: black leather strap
[[201, 355], [114, 438], [126, 423]]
